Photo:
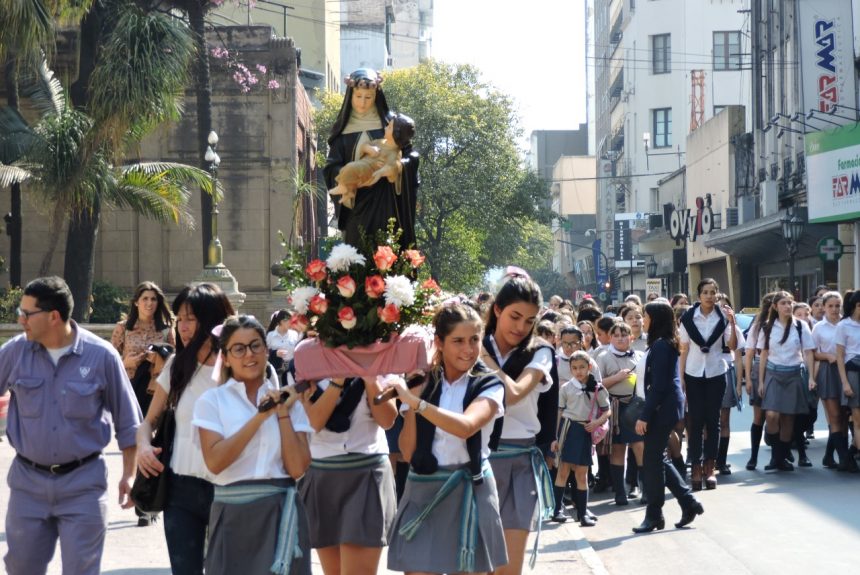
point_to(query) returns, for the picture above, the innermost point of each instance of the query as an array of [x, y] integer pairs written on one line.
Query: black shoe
[[849, 465], [828, 462], [144, 521], [560, 516], [751, 464], [689, 513], [650, 525], [789, 456], [725, 469], [810, 434], [621, 500], [601, 485], [804, 461]]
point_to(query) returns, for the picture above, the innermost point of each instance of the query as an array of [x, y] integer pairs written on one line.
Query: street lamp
[[600, 252], [651, 266], [792, 230], [646, 139], [215, 256]]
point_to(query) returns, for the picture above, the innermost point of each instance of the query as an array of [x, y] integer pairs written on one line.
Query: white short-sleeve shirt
[[226, 409], [575, 403], [790, 352], [848, 336], [709, 364], [287, 341], [450, 449], [187, 457], [363, 436], [521, 420], [824, 335]]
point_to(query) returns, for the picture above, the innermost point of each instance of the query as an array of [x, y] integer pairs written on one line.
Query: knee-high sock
[[775, 447], [618, 486], [840, 443], [723, 451], [581, 500], [831, 447], [558, 491], [755, 439]]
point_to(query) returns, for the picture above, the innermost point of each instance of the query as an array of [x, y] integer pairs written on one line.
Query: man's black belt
[[60, 468]]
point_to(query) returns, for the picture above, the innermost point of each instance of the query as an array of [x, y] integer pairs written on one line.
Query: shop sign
[[687, 224], [833, 175]]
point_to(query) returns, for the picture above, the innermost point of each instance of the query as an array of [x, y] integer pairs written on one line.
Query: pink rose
[[384, 258], [374, 286], [389, 313], [316, 270], [346, 286], [346, 317], [318, 304], [299, 323], [414, 257]]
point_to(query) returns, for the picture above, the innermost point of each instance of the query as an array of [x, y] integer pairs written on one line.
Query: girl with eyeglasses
[[258, 524]]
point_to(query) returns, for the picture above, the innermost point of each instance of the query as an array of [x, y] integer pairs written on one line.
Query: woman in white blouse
[[848, 361], [257, 525], [827, 376]]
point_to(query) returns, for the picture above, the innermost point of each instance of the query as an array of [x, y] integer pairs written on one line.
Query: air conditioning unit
[[769, 193], [731, 217]]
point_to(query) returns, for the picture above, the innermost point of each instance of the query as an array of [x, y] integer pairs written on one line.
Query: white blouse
[[187, 457], [363, 436], [824, 335], [848, 336], [521, 420], [225, 409], [788, 353], [287, 341]]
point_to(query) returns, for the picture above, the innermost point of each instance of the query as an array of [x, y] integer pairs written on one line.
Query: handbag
[[599, 432], [150, 493]]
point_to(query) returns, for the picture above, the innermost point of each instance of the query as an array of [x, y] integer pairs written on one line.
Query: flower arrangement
[[352, 301]]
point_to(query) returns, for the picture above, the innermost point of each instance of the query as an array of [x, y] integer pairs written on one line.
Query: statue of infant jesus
[[377, 159]]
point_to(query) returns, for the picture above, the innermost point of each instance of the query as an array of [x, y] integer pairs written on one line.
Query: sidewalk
[[132, 550]]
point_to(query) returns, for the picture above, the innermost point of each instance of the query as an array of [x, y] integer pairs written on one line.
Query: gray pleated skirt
[[783, 392], [828, 381], [518, 496], [433, 549], [730, 397], [352, 503], [243, 537], [755, 398], [854, 382]]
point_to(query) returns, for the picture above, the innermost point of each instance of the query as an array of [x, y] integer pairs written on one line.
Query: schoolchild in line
[[732, 396], [829, 381], [751, 369], [848, 362]]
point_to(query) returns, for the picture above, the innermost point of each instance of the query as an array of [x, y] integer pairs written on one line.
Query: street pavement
[[754, 523]]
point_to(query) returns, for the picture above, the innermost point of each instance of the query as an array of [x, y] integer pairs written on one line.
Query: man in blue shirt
[[68, 386]]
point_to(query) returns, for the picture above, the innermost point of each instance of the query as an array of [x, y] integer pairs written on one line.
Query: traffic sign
[[830, 249]]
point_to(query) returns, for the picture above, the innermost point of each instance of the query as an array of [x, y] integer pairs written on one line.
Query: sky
[[532, 51]]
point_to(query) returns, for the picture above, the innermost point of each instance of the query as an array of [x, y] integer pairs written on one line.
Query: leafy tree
[[478, 204]]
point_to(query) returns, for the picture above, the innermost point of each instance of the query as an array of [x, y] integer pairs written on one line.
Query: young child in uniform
[[583, 406]]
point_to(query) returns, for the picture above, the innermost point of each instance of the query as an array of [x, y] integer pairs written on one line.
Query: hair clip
[[516, 272], [216, 331]]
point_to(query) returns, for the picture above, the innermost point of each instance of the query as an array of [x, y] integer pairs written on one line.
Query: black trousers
[[659, 473], [186, 518], [704, 399]]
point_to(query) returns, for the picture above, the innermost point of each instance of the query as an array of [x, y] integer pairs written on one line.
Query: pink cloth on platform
[[404, 353]]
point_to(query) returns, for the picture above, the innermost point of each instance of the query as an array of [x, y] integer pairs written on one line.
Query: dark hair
[[707, 281], [580, 355], [725, 298], [590, 314], [211, 307], [586, 303], [818, 288], [604, 324], [230, 326], [447, 318], [662, 324], [773, 314], [545, 327], [813, 298], [163, 318], [571, 330], [52, 293], [362, 78], [850, 303], [764, 311], [403, 129], [551, 316], [516, 289], [277, 318], [622, 327], [593, 344], [677, 297]]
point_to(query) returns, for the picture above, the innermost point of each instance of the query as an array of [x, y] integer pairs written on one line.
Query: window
[[661, 58], [662, 127], [727, 51]]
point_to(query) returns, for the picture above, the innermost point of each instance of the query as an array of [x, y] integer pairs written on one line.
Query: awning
[[762, 241]]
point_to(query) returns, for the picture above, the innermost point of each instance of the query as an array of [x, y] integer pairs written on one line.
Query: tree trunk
[[13, 221], [196, 13], [79, 265]]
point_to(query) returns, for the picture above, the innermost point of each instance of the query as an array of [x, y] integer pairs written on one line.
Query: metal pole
[[792, 251]]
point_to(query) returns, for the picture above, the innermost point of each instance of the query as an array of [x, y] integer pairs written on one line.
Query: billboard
[[833, 175], [826, 55]]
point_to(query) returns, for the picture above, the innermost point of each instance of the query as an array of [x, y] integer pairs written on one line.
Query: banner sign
[[833, 175], [826, 56]]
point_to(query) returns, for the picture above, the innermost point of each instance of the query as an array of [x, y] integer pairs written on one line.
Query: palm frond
[[16, 137], [44, 90], [180, 172], [13, 175], [155, 196]]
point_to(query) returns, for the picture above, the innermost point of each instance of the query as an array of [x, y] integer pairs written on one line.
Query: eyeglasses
[[238, 350], [571, 343], [28, 314]]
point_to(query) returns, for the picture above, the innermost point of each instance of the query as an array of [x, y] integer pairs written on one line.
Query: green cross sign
[[830, 249]]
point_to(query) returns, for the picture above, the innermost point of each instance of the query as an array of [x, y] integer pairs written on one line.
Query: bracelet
[[283, 417], [337, 385]]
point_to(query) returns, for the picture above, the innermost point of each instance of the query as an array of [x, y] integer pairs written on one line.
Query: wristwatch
[[422, 405]]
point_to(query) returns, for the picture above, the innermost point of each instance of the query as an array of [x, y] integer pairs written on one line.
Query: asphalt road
[[754, 522]]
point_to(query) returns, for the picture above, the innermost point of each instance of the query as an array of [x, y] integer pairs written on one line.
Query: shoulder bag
[[150, 493], [599, 432]]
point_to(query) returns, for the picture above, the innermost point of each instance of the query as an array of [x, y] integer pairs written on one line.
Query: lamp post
[[792, 230], [216, 252]]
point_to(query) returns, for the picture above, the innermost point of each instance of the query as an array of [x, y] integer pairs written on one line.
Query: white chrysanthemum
[[399, 291], [300, 298], [342, 256]]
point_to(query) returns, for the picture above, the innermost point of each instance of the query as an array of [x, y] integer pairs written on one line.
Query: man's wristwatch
[[422, 405]]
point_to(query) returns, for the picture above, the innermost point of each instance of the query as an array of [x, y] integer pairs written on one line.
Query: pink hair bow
[[516, 272]]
